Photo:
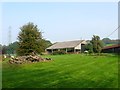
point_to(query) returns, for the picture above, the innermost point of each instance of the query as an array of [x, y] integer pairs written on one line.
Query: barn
[[75, 46], [112, 49]]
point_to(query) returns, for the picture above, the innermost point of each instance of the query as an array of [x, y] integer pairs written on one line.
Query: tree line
[[30, 40]]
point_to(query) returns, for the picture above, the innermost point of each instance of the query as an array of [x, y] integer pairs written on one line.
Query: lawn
[[64, 71]]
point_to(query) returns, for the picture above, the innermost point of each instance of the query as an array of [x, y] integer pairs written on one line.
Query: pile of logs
[[27, 59]]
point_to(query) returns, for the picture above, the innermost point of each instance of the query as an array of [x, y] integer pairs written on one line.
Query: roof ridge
[[80, 42], [70, 41]]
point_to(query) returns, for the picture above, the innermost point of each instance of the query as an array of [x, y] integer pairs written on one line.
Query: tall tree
[[97, 44], [30, 39]]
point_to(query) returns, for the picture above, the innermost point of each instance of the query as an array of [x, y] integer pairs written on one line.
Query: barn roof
[[66, 44], [113, 46]]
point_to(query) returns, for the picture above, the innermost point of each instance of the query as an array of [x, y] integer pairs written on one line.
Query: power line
[[113, 31]]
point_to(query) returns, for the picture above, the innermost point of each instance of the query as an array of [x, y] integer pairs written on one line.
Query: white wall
[[78, 46]]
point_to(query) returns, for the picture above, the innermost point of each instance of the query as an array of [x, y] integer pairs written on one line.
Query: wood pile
[[27, 59]]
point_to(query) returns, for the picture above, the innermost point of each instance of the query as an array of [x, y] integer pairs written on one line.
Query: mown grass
[[64, 71]]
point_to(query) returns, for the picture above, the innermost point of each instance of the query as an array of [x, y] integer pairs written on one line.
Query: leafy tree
[[97, 44], [47, 43], [108, 41], [30, 39], [11, 48], [4, 49], [89, 47]]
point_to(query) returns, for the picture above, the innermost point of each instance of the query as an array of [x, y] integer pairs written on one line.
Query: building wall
[[78, 46], [112, 50], [82, 48]]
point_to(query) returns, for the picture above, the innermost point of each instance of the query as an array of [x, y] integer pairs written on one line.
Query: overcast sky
[[61, 21]]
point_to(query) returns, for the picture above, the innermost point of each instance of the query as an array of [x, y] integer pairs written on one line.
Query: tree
[[97, 44], [106, 41], [30, 40], [89, 47], [12, 47], [47, 43], [4, 49]]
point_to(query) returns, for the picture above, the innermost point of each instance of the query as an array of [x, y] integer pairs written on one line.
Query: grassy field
[[64, 71]]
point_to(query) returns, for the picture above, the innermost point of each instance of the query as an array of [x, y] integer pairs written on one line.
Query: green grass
[[109, 44], [65, 71]]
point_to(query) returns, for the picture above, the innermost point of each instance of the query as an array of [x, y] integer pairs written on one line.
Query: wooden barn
[[111, 49], [76, 46]]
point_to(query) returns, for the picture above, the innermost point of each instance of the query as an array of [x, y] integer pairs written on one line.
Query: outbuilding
[[112, 49], [76, 46]]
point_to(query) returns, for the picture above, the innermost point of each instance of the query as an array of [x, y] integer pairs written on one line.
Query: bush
[[59, 52], [90, 51]]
